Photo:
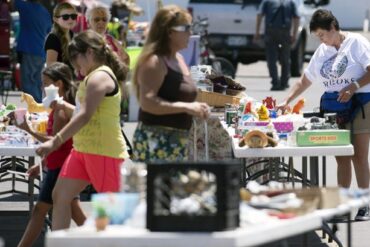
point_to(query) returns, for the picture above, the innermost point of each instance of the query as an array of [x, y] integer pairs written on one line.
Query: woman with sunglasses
[[64, 17], [165, 90], [98, 17], [99, 147]]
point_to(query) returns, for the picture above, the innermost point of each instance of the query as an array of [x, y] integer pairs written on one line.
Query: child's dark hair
[[102, 52], [60, 71]]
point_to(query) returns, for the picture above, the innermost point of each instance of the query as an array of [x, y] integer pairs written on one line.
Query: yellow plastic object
[[33, 106], [133, 52]]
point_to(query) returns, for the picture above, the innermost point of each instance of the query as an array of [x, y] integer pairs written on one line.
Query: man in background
[[35, 24], [281, 26]]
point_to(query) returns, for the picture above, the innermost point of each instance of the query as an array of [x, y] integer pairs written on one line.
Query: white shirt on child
[[334, 69]]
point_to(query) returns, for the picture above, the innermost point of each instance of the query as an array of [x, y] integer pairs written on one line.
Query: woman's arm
[[297, 90], [347, 92], [51, 57], [150, 76]]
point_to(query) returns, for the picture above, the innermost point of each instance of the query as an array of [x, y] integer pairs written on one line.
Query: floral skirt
[[160, 143]]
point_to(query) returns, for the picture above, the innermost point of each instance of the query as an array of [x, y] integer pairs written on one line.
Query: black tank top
[[175, 87]]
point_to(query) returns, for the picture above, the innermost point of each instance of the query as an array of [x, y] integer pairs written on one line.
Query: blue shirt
[[278, 13], [35, 24]]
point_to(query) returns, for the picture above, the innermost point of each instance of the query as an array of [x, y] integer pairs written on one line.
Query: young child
[[59, 75]]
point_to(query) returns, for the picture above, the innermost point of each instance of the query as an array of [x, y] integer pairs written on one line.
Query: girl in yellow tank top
[[99, 147]]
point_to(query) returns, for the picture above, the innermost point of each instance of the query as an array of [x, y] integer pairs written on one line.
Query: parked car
[[232, 24]]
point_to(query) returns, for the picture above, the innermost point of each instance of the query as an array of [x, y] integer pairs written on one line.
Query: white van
[[232, 24], [350, 14]]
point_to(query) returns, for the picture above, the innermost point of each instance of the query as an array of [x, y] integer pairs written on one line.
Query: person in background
[[281, 26], [98, 144], [35, 24], [64, 17], [98, 17], [59, 75], [165, 90], [342, 63]]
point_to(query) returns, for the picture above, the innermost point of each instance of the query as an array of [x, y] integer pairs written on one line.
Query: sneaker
[[363, 214]]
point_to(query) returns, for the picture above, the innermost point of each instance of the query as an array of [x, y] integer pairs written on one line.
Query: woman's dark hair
[[60, 71], [323, 19], [102, 52]]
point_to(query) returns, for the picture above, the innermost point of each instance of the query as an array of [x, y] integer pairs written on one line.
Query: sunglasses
[[65, 17], [103, 19], [182, 28]]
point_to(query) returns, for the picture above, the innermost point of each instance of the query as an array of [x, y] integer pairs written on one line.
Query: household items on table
[[215, 90], [257, 125], [13, 136], [280, 200], [193, 196]]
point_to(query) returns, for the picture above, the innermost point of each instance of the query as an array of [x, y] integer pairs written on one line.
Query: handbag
[[345, 110]]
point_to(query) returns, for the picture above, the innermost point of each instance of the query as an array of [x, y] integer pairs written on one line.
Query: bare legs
[[37, 221], [65, 190], [360, 163], [35, 224]]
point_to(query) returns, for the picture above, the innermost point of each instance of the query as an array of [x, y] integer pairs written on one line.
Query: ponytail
[[119, 68]]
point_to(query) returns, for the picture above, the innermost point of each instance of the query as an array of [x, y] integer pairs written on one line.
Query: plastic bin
[[220, 209]]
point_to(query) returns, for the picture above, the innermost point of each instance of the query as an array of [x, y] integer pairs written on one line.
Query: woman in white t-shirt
[[342, 63]]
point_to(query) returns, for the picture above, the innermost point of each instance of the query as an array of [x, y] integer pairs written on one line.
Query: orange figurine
[[298, 106]]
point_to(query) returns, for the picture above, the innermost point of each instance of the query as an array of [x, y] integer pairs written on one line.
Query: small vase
[[101, 223]]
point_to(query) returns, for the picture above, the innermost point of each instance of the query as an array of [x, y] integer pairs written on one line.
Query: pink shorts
[[101, 171]]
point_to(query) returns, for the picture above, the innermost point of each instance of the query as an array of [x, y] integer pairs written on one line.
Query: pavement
[[14, 208]]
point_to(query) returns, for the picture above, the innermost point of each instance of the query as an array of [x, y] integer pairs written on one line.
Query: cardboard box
[[323, 137]]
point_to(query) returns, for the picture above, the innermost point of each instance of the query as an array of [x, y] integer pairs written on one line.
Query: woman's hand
[[34, 171], [283, 107], [47, 147], [198, 109], [346, 93]]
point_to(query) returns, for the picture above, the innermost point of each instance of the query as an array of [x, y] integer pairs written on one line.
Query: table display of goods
[[193, 196], [13, 136], [258, 124], [285, 202], [215, 90]]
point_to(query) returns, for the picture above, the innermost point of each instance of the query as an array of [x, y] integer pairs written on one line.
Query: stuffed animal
[[257, 139]]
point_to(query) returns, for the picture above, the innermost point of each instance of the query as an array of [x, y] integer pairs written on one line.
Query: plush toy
[[254, 139], [33, 106], [257, 139]]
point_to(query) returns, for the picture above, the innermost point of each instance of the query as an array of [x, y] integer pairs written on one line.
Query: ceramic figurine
[[263, 113], [269, 102], [298, 106], [33, 106]]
